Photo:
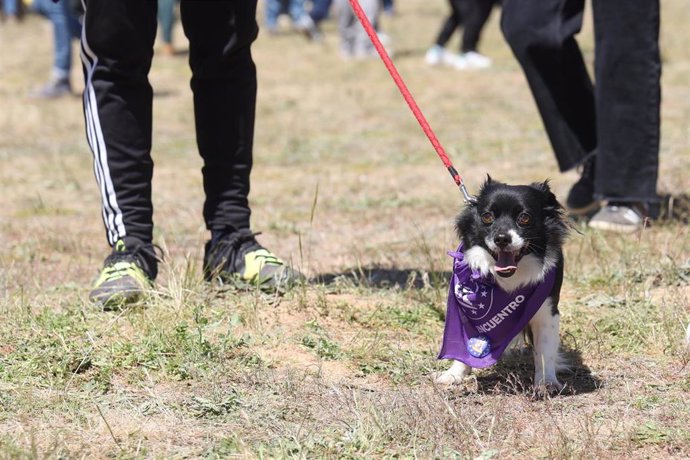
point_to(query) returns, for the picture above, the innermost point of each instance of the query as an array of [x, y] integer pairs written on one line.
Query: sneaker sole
[[238, 284], [269, 285], [118, 301], [611, 227], [118, 298]]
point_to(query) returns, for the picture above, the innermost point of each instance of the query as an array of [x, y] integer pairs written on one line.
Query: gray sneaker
[[53, 89], [618, 218], [307, 26]]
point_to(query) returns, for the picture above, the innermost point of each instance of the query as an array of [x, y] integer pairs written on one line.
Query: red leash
[[409, 99]]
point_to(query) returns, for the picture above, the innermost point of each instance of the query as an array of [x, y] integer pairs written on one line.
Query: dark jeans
[[472, 15], [166, 19], [619, 118], [118, 48], [320, 10], [65, 28]]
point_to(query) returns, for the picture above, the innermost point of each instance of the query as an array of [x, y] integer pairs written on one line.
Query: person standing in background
[[354, 41], [471, 15], [301, 20], [66, 27], [320, 10], [389, 7], [610, 130], [166, 19], [11, 10]]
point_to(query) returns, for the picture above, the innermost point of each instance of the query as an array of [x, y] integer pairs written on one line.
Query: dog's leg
[[545, 330], [455, 374]]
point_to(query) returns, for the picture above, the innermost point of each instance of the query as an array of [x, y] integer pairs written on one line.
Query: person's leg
[[437, 54], [346, 27], [478, 13], [296, 11], [166, 19], [273, 10], [320, 10], [10, 7], [65, 28], [541, 35], [451, 23], [117, 48], [628, 95], [224, 84], [362, 43], [301, 20]]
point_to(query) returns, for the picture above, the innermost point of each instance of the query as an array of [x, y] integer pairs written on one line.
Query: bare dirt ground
[[346, 186]]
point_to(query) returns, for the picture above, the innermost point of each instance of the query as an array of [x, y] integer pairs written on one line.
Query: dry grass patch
[[347, 187]]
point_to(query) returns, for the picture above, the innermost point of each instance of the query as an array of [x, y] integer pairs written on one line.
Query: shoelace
[[138, 254], [269, 259]]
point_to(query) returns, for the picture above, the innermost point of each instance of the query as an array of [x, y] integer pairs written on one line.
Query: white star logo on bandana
[[474, 298]]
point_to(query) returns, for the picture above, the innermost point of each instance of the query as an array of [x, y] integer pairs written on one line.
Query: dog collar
[[482, 318]]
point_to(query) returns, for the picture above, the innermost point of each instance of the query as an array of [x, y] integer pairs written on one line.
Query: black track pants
[[117, 48], [472, 15], [618, 119]]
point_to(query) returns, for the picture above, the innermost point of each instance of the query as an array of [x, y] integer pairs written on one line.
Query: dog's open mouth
[[507, 261]]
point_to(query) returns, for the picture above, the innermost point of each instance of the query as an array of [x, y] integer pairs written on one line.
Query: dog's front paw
[[455, 374], [548, 388], [447, 378]]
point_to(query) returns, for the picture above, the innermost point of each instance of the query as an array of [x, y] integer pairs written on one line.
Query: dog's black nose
[[502, 240]]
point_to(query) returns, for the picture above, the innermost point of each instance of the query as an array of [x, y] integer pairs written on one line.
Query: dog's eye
[[524, 219], [488, 218]]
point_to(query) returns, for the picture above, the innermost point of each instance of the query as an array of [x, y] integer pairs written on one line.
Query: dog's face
[[513, 228]]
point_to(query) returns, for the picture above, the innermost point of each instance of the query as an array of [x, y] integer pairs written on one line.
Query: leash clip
[[469, 199]]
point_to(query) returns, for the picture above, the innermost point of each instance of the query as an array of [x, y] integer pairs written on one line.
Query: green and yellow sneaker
[[126, 275], [239, 259]]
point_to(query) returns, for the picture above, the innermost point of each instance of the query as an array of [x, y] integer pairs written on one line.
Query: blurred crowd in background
[[279, 18], [609, 132]]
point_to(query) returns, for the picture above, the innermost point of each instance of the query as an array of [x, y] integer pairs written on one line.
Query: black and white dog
[[512, 236]]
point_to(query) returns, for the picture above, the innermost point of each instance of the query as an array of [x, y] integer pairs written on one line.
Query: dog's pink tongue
[[506, 261]]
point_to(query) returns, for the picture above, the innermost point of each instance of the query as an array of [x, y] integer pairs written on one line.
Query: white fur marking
[[516, 240], [479, 259], [545, 331], [455, 374], [530, 270]]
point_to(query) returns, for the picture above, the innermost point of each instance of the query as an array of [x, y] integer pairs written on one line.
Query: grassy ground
[[347, 187]]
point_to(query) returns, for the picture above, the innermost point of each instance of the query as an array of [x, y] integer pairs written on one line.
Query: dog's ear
[[543, 187], [486, 185], [551, 204], [554, 213]]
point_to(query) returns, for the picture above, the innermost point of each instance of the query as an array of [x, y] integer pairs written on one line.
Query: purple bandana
[[482, 318]]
